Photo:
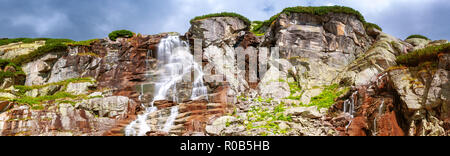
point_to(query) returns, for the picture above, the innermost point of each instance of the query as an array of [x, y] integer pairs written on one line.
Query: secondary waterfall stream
[[176, 64]]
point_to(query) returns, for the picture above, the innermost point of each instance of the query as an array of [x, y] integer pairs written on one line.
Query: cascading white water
[[380, 112], [176, 63], [349, 105], [171, 119]]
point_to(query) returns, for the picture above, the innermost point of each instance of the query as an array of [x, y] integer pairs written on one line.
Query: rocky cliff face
[[332, 77]]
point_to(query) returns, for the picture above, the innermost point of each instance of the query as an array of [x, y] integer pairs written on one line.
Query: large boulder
[[217, 30]]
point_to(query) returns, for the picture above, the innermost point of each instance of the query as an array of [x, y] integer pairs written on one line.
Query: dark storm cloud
[[87, 19]]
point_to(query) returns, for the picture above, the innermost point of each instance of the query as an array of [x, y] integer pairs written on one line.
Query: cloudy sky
[[87, 19]]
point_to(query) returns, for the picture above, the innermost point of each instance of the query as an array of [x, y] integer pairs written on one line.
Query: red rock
[[387, 125], [358, 127], [4, 105]]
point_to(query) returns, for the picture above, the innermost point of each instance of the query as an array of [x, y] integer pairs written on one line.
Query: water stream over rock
[[174, 73]]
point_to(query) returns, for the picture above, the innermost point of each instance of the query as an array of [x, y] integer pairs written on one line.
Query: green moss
[[327, 98], [38, 100], [322, 10], [417, 36], [368, 26], [222, 14], [295, 90], [120, 33], [269, 117], [423, 55]]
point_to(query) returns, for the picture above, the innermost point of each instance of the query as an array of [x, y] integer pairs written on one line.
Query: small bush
[[120, 33], [223, 14], [426, 54], [418, 36]]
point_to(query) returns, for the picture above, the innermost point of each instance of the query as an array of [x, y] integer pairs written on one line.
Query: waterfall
[[349, 105], [171, 119], [380, 112], [176, 65]]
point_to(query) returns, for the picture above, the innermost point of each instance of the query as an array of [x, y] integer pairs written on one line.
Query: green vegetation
[[82, 43], [327, 98], [426, 54], [61, 96], [51, 45], [47, 48], [418, 36], [24, 89], [368, 25], [31, 40], [7, 74], [120, 33], [255, 27], [33, 101], [223, 14], [268, 118], [295, 89]]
